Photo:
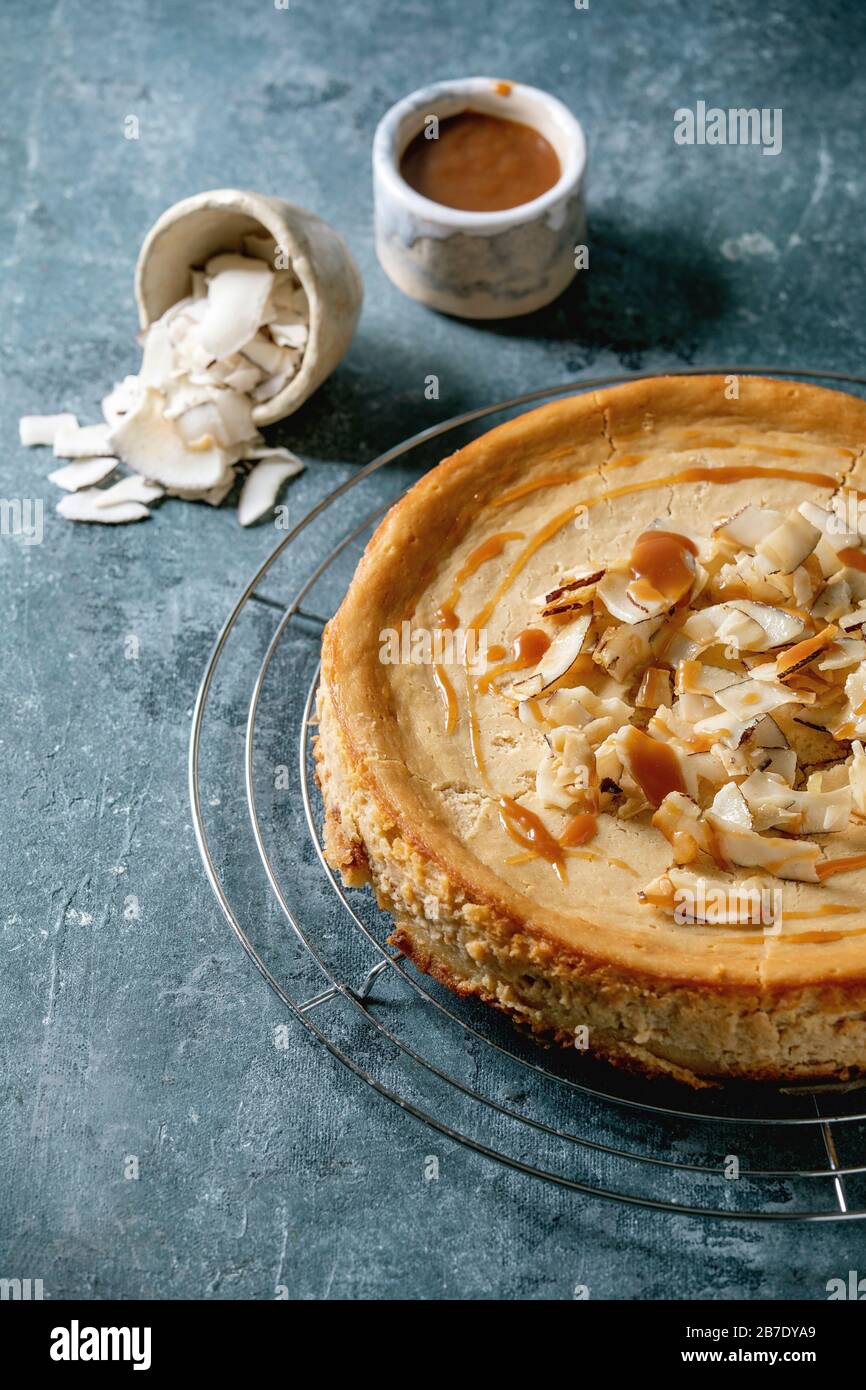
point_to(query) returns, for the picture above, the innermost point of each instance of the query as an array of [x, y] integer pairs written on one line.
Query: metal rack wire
[[738, 1152]]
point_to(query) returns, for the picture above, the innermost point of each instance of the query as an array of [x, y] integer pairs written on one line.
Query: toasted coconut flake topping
[[724, 678]]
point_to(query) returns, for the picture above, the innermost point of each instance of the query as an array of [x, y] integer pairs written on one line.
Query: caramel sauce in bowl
[[480, 163], [479, 203]]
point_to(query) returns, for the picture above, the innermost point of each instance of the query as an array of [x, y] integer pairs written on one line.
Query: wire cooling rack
[[749, 1153]]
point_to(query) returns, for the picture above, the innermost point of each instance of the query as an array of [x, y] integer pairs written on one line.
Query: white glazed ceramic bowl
[[191, 231], [479, 264]]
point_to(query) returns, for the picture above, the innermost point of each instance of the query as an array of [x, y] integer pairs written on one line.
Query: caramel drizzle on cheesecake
[[828, 867], [561, 479], [825, 910], [855, 559], [693, 438], [662, 562], [447, 618], [527, 650], [529, 831], [491, 549], [449, 697], [735, 473], [654, 765]]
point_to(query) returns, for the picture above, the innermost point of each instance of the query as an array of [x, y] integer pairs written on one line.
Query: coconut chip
[[87, 506], [262, 485], [82, 441], [43, 429], [85, 473], [131, 489]]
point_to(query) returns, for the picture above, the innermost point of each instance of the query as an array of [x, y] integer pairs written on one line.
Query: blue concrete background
[[133, 1025]]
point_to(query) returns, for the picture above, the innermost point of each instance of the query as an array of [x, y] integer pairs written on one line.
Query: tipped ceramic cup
[[480, 264], [197, 228]]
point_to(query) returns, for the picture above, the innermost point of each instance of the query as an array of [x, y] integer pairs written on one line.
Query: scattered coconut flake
[[261, 487], [772, 803], [213, 496], [185, 421], [129, 489], [43, 429], [86, 506], [614, 592], [84, 473], [122, 398], [153, 446], [82, 441]]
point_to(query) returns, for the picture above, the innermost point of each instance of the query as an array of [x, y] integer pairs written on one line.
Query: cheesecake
[[591, 724]]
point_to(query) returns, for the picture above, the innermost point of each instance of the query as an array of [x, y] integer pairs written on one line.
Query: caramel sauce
[[654, 766], [621, 864], [854, 558], [732, 474], [529, 830], [792, 939], [659, 564], [536, 484], [474, 732], [580, 829], [699, 441], [446, 616], [804, 651], [829, 867], [487, 550], [527, 650], [538, 540], [496, 652], [819, 938], [570, 853], [662, 900], [562, 479], [826, 910], [449, 697], [480, 163], [743, 473]]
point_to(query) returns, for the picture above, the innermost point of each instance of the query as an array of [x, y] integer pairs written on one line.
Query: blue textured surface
[[133, 1023]]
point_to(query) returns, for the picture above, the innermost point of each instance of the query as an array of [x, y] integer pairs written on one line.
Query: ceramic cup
[[191, 231], [479, 264]]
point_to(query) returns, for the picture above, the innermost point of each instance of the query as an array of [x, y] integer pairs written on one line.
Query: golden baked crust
[[409, 809]]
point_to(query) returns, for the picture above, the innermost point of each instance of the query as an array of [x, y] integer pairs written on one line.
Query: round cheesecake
[[590, 718]]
